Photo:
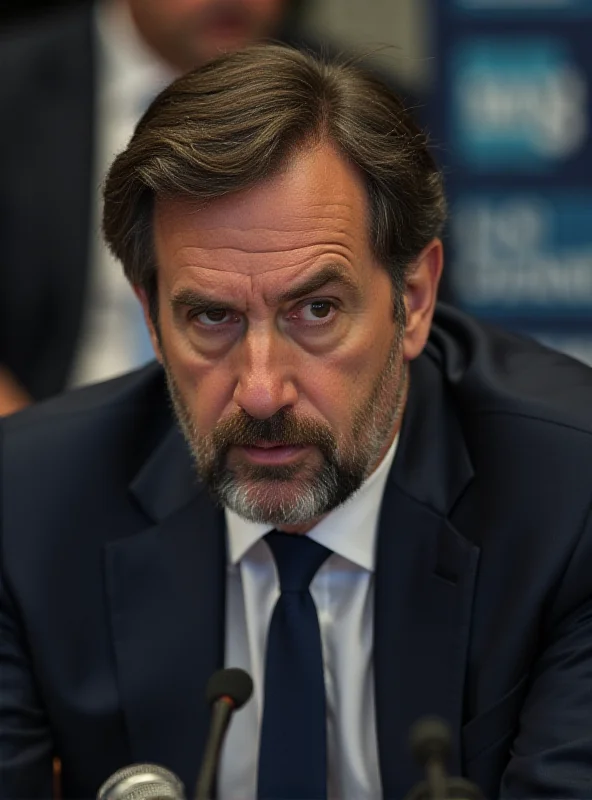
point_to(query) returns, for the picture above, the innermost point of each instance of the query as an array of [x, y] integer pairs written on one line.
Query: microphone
[[145, 781], [227, 691], [430, 742]]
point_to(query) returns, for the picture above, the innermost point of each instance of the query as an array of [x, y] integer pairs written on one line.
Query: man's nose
[[265, 376]]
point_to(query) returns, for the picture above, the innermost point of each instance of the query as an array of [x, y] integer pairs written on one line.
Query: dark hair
[[237, 120]]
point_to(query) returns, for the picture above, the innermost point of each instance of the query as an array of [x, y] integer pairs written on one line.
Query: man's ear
[[421, 288], [143, 298]]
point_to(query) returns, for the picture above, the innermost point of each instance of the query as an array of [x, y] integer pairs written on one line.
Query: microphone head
[[142, 782], [233, 683], [430, 737]]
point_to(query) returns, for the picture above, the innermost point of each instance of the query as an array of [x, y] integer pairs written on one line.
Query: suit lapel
[[424, 581], [166, 595]]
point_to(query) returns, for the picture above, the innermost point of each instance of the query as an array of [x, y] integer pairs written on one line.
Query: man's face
[[189, 33], [277, 332]]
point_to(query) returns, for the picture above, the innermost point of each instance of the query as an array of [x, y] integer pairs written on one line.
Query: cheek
[[206, 388], [337, 386]]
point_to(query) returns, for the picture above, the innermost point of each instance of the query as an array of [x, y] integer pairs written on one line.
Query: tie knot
[[297, 559]]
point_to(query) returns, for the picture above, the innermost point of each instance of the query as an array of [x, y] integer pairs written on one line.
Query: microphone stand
[[221, 713], [227, 691]]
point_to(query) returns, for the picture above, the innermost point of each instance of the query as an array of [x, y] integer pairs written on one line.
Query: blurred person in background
[[74, 87]]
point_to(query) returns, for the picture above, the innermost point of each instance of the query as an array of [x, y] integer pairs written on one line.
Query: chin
[[274, 502]]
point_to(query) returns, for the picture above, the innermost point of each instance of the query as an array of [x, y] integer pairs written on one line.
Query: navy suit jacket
[[113, 564]]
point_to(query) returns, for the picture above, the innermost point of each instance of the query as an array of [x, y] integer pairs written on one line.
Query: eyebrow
[[194, 299], [331, 273]]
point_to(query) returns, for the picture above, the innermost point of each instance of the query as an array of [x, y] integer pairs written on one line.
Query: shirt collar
[[349, 530]]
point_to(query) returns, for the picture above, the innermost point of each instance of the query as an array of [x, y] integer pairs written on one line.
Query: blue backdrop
[[511, 119]]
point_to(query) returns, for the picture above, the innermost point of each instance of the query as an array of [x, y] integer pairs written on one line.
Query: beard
[[294, 494]]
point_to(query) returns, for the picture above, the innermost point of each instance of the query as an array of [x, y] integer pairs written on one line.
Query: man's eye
[[213, 317], [317, 310]]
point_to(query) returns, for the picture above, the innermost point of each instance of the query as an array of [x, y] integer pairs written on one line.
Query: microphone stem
[[221, 713]]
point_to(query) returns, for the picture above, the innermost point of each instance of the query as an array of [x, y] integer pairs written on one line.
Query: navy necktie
[[293, 746]]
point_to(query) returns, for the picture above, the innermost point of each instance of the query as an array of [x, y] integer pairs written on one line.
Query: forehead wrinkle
[[291, 219], [348, 207], [262, 250], [260, 240], [345, 209], [239, 276], [200, 258], [249, 290]]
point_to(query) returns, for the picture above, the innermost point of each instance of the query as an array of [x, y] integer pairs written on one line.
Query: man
[[75, 87], [281, 232]]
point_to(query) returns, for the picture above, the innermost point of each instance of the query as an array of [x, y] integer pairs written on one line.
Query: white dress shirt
[[343, 592], [128, 76]]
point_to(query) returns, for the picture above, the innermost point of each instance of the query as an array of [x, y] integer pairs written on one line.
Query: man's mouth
[[272, 453]]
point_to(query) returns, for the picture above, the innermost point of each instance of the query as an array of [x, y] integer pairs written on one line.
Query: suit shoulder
[[115, 414], [492, 372]]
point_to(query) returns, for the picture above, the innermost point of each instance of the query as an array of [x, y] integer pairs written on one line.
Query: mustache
[[283, 428]]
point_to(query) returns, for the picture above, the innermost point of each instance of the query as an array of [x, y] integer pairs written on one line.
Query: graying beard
[[259, 504], [311, 500]]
